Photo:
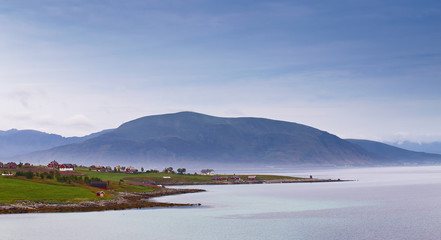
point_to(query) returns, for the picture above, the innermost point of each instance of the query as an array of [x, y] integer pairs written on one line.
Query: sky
[[357, 69]]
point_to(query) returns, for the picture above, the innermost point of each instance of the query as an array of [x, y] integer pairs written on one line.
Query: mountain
[[17, 142], [189, 139], [430, 147], [193, 139], [392, 155]]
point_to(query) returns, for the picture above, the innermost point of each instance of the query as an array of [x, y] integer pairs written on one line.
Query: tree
[[181, 170], [142, 169], [169, 170], [29, 175]]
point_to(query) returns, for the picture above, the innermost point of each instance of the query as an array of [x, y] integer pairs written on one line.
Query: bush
[[29, 175]]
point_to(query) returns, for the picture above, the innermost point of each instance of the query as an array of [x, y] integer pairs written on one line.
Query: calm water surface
[[385, 203]]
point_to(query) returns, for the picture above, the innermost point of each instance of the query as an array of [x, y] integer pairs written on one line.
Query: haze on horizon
[[357, 69]]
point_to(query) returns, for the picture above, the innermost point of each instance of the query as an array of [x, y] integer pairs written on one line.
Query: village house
[[97, 168], [66, 167], [102, 169], [207, 172], [100, 194], [53, 165], [234, 178], [10, 165], [251, 178], [219, 178], [131, 170], [27, 165], [168, 170]]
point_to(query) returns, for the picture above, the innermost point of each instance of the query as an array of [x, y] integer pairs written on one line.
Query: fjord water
[[385, 203]]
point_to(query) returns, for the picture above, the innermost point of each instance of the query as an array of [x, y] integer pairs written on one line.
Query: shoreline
[[125, 200], [132, 200], [306, 180]]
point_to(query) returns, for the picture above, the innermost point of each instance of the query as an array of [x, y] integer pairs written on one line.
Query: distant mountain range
[[17, 142], [431, 147], [391, 155], [189, 139]]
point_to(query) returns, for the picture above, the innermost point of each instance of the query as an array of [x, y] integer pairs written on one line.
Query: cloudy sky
[[358, 69]]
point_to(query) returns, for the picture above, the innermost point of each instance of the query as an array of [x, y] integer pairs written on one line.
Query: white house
[[66, 167], [207, 172]]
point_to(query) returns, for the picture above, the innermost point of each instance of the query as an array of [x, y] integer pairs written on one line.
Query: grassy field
[[36, 189], [159, 177], [103, 175], [122, 187], [178, 178], [12, 189]]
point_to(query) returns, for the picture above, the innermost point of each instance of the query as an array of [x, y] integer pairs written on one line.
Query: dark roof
[[67, 165], [98, 184]]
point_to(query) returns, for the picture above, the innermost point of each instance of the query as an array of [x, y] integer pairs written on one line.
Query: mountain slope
[[390, 154], [17, 142], [430, 147], [196, 139]]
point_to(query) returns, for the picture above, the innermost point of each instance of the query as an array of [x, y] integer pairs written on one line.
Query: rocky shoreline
[[122, 201]]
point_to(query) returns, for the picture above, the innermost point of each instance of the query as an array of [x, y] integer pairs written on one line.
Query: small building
[[10, 165], [27, 165], [100, 194], [1, 165], [102, 185], [66, 167], [102, 169], [131, 170], [219, 178], [98, 168], [251, 178], [207, 172], [53, 165], [234, 178]]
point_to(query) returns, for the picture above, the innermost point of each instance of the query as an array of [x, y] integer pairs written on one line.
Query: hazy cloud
[[22, 96], [80, 121]]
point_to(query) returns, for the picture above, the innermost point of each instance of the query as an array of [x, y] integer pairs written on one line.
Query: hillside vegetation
[[13, 189]]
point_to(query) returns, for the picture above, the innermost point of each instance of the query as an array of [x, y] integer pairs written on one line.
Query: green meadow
[[12, 189], [173, 177], [36, 189]]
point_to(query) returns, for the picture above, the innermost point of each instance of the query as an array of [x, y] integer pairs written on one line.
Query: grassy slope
[[121, 187], [17, 189], [12, 189]]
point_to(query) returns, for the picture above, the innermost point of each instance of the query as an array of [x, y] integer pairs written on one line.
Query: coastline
[[125, 200], [303, 180], [132, 200]]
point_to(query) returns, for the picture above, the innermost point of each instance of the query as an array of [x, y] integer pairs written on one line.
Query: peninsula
[[28, 189]]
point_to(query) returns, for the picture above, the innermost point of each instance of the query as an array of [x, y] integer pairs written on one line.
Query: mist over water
[[384, 203]]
